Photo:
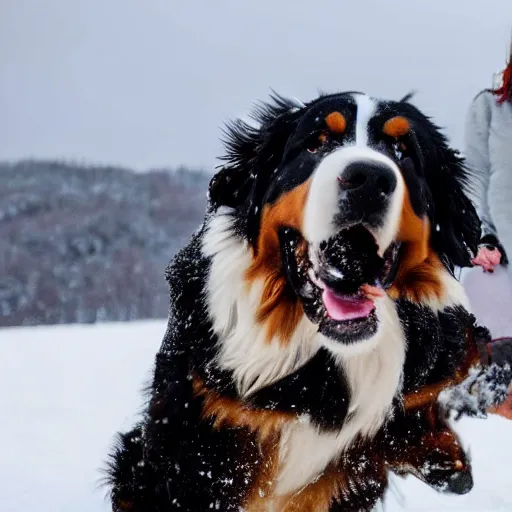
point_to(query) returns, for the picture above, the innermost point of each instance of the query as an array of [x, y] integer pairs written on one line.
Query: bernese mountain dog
[[315, 321]]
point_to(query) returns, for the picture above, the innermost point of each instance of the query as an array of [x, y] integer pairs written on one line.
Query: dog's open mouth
[[340, 281]]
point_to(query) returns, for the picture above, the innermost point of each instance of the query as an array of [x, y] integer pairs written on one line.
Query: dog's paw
[[482, 389]]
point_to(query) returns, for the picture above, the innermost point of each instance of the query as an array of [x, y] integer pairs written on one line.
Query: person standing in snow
[[488, 152]]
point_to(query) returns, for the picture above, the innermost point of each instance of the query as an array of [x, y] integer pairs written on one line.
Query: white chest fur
[[373, 368], [374, 377]]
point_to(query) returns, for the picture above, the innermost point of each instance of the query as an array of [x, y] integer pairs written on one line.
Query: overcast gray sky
[[149, 82]]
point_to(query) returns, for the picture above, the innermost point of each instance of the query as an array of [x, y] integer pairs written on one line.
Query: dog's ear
[[456, 228], [253, 152], [230, 186]]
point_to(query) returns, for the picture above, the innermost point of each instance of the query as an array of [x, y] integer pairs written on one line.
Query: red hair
[[504, 93]]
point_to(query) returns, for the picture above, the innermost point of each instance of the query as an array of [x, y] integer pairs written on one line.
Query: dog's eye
[[316, 142], [400, 150]]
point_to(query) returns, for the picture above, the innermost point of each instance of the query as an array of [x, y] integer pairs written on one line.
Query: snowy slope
[[63, 393], [65, 390]]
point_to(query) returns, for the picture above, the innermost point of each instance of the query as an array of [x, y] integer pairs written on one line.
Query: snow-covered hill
[[65, 390], [89, 243]]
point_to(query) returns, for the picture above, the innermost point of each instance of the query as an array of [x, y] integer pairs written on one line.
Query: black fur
[[174, 459], [437, 342], [326, 400], [435, 173], [432, 460], [456, 226], [177, 457]]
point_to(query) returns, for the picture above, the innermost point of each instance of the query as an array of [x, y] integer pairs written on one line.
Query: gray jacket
[[488, 152]]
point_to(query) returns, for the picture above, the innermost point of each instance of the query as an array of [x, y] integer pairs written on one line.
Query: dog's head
[[423, 443], [339, 200]]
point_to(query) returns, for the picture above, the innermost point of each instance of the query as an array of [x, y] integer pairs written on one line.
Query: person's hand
[[487, 257]]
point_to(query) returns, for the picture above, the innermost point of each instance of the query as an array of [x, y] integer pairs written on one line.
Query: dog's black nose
[[370, 179], [461, 483]]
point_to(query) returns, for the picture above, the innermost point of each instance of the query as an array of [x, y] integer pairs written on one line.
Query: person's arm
[[478, 163], [477, 158]]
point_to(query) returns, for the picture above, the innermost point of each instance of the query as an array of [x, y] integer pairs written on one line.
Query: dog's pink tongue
[[346, 308]]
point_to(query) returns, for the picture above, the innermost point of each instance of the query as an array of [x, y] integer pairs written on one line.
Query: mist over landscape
[[122, 86], [82, 244]]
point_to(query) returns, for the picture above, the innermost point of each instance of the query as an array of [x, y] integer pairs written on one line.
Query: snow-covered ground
[[64, 391]]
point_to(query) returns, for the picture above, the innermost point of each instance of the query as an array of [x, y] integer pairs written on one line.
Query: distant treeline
[[87, 244]]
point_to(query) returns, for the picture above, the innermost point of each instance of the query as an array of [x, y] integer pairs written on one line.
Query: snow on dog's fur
[[316, 294]]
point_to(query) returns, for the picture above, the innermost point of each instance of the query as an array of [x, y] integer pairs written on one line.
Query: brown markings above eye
[[336, 125], [396, 127], [336, 122]]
